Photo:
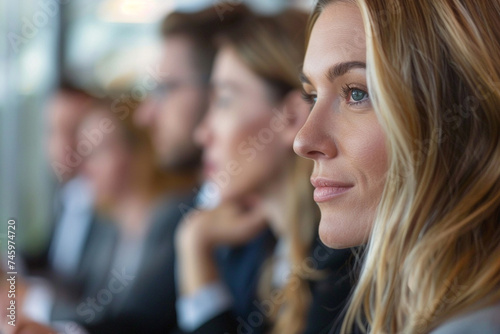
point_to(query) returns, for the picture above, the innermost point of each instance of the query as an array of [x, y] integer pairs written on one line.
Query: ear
[[294, 112]]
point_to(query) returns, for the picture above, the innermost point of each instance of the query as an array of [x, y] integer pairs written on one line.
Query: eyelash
[[346, 90], [308, 98]]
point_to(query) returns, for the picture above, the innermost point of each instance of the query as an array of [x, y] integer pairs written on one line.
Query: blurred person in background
[[254, 263], [171, 115], [73, 198], [181, 96], [131, 192], [57, 275]]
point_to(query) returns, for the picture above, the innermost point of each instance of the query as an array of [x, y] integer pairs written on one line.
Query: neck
[[131, 213], [179, 180]]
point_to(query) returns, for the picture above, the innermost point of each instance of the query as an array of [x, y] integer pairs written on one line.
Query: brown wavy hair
[[273, 48]]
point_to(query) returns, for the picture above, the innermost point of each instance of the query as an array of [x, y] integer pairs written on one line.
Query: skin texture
[[344, 139], [177, 106], [112, 169], [254, 196], [109, 163], [64, 115], [229, 134]]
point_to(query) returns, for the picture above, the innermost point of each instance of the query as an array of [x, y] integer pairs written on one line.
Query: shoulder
[[484, 321]]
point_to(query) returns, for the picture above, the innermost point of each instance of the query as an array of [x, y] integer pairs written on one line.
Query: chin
[[228, 195], [339, 233]]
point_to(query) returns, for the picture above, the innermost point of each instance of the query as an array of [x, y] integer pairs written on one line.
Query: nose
[[145, 114], [203, 134], [313, 141]]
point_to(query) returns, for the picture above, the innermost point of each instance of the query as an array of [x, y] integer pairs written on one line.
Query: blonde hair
[[434, 250], [273, 48]]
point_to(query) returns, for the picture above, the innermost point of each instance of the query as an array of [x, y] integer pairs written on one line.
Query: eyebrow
[[336, 71]]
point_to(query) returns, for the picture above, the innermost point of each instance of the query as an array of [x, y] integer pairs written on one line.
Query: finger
[[192, 215]]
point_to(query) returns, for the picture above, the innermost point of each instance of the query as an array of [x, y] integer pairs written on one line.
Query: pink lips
[[208, 167], [327, 189]]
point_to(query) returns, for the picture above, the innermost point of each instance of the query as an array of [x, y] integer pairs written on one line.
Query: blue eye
[[354, 96], [358, 95]]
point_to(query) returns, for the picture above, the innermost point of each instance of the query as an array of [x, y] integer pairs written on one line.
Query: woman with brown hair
[[405, 135], [253, 263], [129, 271], [137, 196]]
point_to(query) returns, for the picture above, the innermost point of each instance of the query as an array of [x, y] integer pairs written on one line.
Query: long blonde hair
[[273, 48], [434, 77]]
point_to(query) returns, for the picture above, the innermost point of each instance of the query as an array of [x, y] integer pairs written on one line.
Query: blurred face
[[108, 166], [342, 134], [241, 152], [64, 115], [177, 105]]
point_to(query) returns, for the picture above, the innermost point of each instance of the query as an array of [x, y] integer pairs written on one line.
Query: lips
[[208, 168], [327, 190]]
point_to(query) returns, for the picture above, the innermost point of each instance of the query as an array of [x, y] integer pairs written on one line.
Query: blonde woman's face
[[342, 134]]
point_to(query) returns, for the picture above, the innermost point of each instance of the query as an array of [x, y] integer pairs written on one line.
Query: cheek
[[373, 161], [365, 151], [56, 148], [256, 143], [119, 169], [229, 133], [179, 116], [347, 221], [252, 145], [108, 171], [57, 145]]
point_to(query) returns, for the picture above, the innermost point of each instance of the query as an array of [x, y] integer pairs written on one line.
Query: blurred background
[[94, 44]]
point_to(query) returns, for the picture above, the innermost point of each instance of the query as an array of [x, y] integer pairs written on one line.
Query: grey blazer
[[485, 321]]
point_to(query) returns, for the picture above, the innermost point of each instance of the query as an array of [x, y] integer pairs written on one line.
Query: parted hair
[[433, 76], [201, 28], [272, 46]]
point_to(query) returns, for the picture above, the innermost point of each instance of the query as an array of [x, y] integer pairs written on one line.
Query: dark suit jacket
[[93, 260], [329, 293], [92, 271], [150, 303]]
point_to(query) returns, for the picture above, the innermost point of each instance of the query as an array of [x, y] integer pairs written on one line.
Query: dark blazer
[[39, 263], [329, 293], [239, 268], [92, 271], [93, 260], [149, 306]]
